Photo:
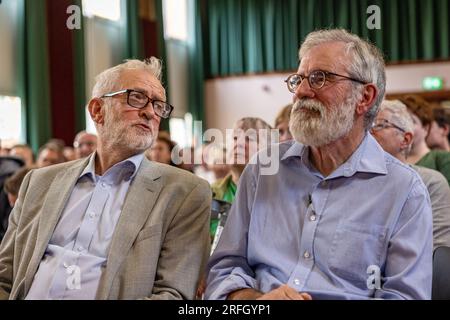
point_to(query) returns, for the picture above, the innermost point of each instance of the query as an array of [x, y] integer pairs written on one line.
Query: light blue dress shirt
[[78, 249], [328, 236]]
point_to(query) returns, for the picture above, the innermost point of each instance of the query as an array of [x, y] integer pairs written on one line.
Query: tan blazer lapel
[[57, 196], [139, 202]]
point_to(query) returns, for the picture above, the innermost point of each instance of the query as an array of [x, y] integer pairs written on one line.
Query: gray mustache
[[308, 104]]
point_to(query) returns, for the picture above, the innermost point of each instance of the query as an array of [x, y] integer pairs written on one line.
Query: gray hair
[[255, 127], [107, 80], [400, 115], [252, 123], [367, 63]]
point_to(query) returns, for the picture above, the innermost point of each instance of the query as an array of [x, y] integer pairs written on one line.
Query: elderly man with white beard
[[113, 225], [341, 219]]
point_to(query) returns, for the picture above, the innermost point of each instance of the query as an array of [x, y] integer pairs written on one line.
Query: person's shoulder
[[440, 156], [430, 176]]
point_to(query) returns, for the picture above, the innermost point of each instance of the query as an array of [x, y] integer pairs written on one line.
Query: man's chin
[[310, 139]]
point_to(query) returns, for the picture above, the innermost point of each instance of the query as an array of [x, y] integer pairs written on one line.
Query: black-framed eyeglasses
[[381, 124], [316, 79], [140, 100]]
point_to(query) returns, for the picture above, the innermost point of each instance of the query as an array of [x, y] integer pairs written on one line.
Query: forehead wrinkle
[[321, 57], [144, 82]]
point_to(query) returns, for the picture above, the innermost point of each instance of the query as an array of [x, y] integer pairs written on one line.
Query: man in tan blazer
[[113, 225]]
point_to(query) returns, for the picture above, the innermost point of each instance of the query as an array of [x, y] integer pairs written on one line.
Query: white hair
[[400, 115], [107, 80], [367, 61]]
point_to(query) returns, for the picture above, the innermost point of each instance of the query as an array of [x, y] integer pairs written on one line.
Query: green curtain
[[162, 54], [249, 36], [79, 74], [34, 77], [196, 74], [134, 48]]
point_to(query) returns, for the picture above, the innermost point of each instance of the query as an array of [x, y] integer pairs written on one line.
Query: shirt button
[[312, 217], [66, 265], [80, 248], [306, 255], [297, 282], [92, 214], [324, 183]]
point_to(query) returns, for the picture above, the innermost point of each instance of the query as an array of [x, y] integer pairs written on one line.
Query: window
[[181, 130], [175, 19], [107, 9], [104, 41], [10, 121]]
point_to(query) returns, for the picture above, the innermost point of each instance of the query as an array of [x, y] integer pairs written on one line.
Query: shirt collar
[[123, 170], [369, 157]]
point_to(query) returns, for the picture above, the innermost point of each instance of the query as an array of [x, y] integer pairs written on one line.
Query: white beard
[[120, 134], [320, 126]]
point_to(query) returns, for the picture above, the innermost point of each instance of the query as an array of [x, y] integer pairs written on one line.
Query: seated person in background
[[8, 166], [49, 154], [69, 153], [84, 144], [188, 163], [217, 161], [199, 157], [282, 123], [245, 145], [439, 135], [161, 150], [24, 152], [420, 154], [113, 225], [12, 184], [393, 128], [341, 219]]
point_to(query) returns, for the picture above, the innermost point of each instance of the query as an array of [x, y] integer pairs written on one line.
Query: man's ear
[[95, 108], [446, 129], [407, 140], [368, 99]]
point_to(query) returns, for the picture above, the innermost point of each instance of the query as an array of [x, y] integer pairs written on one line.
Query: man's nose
[[147, 112], [304, 90]]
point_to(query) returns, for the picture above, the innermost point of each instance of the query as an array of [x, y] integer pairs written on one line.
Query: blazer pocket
[[149, 232]]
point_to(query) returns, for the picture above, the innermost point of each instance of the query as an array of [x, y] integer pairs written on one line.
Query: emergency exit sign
[[433, 83]]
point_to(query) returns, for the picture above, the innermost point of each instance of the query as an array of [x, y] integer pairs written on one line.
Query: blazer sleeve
[[186, 247], [8, 243]]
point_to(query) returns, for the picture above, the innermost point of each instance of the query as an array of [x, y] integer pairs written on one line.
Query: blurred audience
[[24, 152], [189, 163], [282, 123], [201, 168], [84, 144], [13, 183], [393, 128], [217, 161], [69, 153], [8, 166], [245, 145], [421, 155], [439, 135], [161, 150], [49, 154]]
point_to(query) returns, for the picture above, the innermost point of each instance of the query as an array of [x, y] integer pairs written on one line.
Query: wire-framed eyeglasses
[[316, 79], [381, 124]]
